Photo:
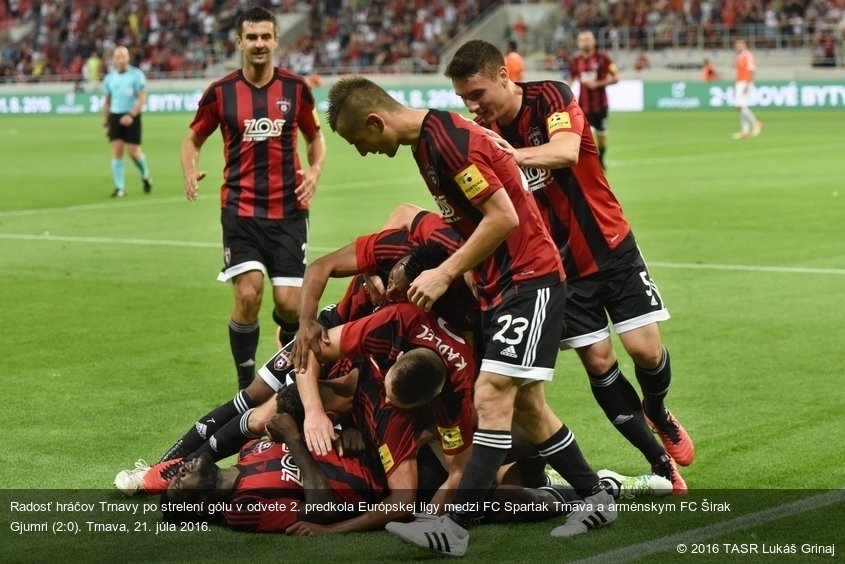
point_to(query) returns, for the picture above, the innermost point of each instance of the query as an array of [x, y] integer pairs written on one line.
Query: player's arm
[[339, 263], [612, 76], [402, 216], [189, 156], [455, 464], [316, 488], [499, 219], [561, 151], [106, 111], [140, 100], [317, 428], [316, 152], [402, 484]]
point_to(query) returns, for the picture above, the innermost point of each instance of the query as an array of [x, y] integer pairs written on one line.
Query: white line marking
[[642, 550], [130, 241], [727, 154], [747, 267], [323, 249], [112, 205]]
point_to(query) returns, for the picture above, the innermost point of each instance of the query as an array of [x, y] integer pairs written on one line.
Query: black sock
[[655, 385], [621, 404], [533, 471], [563, 454], [228, 440], [288, 328], [244, 342], [602, 150], [489, 449], [207, 425]]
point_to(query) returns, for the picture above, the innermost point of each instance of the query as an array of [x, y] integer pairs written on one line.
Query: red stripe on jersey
[[594, 67], [400, 327], [259, 128], [579, 209]]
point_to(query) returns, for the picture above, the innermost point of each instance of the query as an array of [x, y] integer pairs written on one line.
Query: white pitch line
[[649, 548], [322, 249], [727, 154], [747, 268], [113, 205], [129, 241]]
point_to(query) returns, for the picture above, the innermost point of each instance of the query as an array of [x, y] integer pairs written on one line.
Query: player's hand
[[589, 84], [192, 187], [306, 185], [306, 529], [427, 288], [319, 433], [126, 120], [282, 427], [351, 442], [500, 141], [375, 289], [310, 337]]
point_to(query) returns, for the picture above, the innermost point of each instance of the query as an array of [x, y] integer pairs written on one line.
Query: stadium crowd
[[186, 37]]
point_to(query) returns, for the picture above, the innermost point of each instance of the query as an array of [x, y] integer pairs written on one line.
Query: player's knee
[[260, 416], [248, 301], [258, 391], [648, 357]]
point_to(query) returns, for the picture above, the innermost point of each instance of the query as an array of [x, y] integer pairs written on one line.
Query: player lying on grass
[[275, 485]]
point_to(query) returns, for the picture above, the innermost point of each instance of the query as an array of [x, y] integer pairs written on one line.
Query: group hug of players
[[406, 366]]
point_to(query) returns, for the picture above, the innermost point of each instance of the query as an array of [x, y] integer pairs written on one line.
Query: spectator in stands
[[708, 71], [514, 62]]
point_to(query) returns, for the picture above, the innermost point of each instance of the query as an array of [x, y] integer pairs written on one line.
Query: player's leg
[[636, 307], [244, 328], [244, 266], [599, 125], [286, 247], [133, 145], [117, 172]]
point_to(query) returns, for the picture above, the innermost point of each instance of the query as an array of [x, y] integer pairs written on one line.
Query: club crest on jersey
[[447, 212], [261, 446], [281, 361], [261, 129], [431, 174], [535, 136], [283, 104]]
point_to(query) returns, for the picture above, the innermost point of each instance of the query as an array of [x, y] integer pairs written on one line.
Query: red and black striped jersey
[[595, 67], [378, 252], [398, 328], [578, 207], [260, 127], [269, 490], [462, 168]]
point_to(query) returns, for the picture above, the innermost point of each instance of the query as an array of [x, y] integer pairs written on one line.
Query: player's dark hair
[[424, 257], [288, 401], [417, 376], [512, 46], [475, 57], [255, 14], [355, 97]]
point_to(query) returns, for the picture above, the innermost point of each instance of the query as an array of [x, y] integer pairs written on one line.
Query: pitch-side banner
[[691, 95]]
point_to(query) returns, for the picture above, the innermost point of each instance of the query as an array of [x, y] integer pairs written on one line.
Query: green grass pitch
[[114, 332]]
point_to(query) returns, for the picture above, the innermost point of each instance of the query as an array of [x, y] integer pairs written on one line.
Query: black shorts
[[598, 120], [276, 247], [130, 134], [624, 291], [521, 336]]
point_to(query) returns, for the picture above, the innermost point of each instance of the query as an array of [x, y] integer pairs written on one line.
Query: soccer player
[[518, 278], [541, 124], [749, 125], [272, 483], [265, 195], [125, 89], [595, 71]]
